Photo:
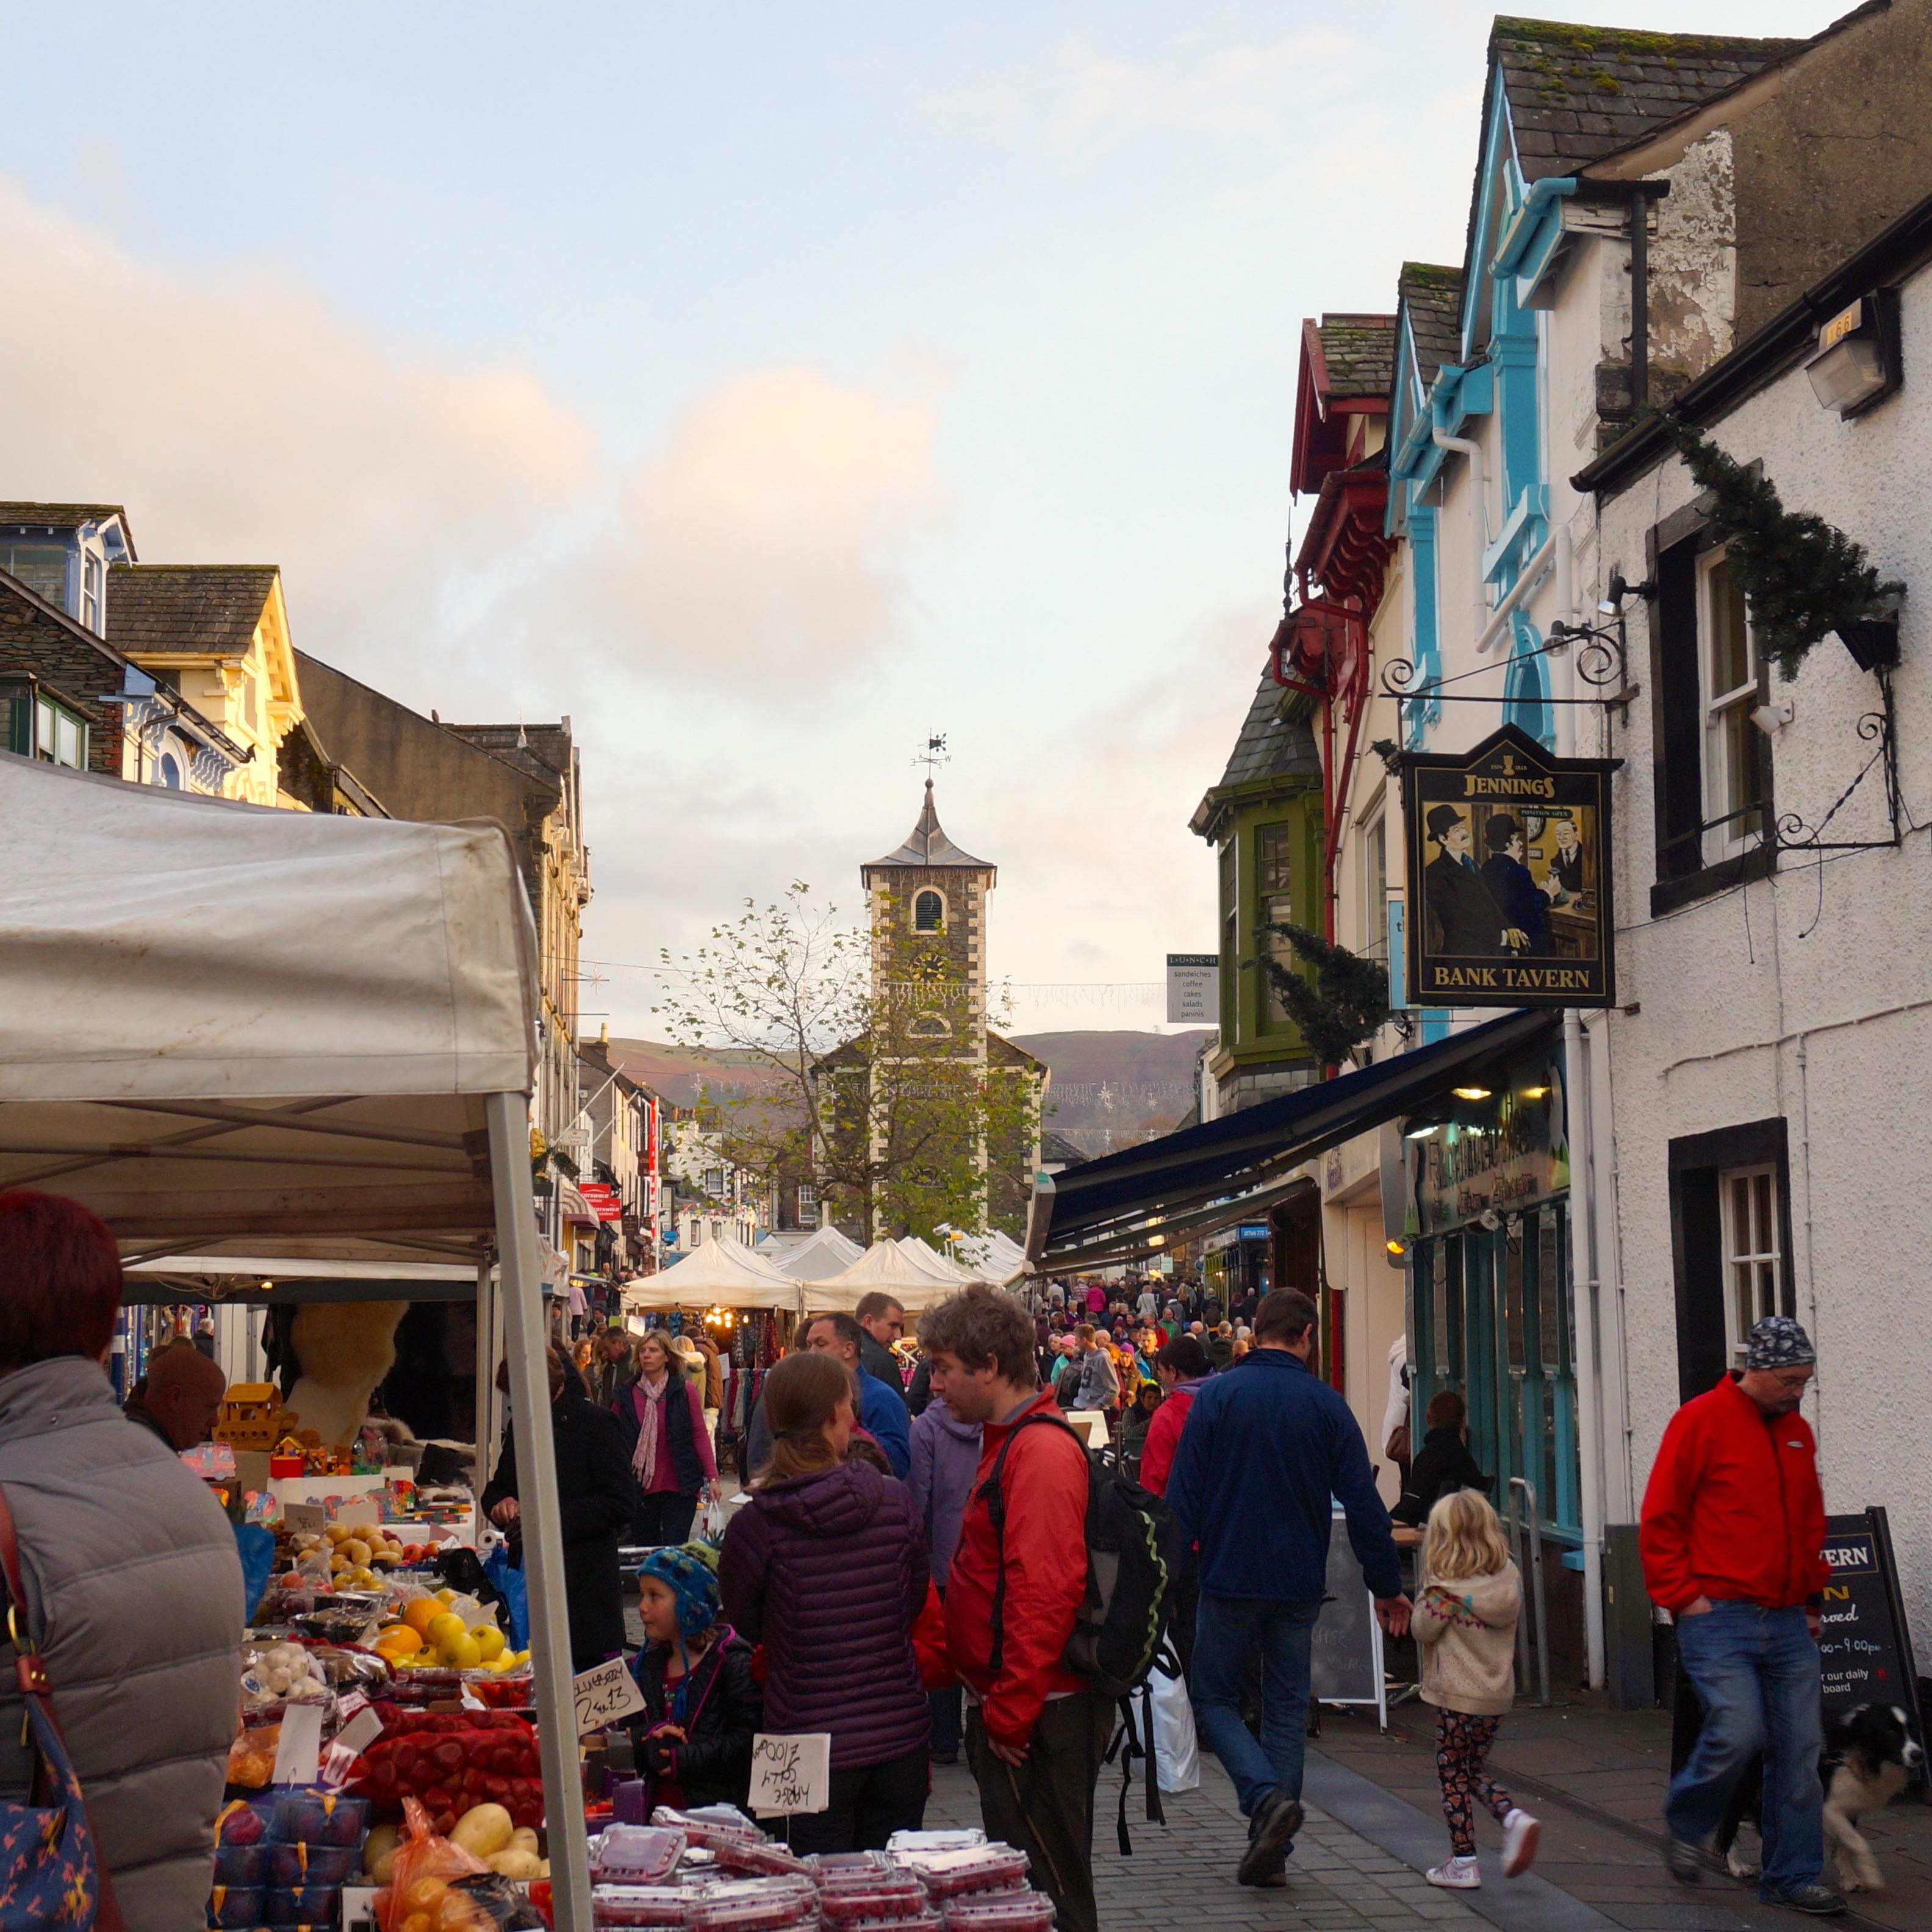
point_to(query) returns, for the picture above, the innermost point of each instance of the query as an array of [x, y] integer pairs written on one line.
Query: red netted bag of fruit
[[452, 1760]]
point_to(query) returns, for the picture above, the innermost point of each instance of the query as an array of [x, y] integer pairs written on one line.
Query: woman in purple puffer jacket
[[826, 1567]]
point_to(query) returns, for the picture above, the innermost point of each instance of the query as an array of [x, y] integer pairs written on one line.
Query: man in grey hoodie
[[945, 1458]]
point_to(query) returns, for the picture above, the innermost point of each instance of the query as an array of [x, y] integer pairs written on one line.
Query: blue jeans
[[1756, 1673], [1226, 1630]]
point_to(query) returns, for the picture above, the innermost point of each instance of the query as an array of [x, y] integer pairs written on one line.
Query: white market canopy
[[824, 1251], [231, 1029], [720, 1272], [995, 1257], [914, 1279], [943, 1266]]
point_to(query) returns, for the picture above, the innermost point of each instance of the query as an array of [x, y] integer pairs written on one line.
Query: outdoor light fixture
[[1422, 1130], [1397, 1248], [1536, 1093], [1157, 1241], [1772, 718], [1471, 1093], [1857, 364]]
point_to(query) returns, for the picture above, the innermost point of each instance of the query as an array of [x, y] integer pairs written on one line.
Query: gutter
[[1528, 219]]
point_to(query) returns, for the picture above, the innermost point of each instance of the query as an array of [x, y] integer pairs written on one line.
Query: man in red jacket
[[1035, 1733], [1732, 1542]]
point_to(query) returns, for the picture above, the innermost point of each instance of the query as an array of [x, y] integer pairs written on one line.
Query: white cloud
[[769, 537], [1080, 99]]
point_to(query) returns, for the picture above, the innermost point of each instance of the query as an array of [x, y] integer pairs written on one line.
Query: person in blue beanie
[[703, 1704]]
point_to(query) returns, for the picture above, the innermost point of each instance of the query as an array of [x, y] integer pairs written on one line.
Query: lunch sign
[[1509, 899]]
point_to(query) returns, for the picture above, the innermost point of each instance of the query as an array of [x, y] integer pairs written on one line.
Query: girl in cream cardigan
[[1464, 1627]]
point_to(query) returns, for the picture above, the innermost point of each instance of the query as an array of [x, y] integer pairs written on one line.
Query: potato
[[483, 1830], [519, 1864], [356, 1550], [523, 1839], [337, 1533], [379, 1855]]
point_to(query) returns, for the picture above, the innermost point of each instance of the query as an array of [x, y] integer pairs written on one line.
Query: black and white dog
[[1869, 1756]]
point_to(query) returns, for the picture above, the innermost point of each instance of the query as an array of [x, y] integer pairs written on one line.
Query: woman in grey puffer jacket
[[133, 1588]]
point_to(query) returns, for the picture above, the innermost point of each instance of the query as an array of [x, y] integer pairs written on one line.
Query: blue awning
[[1126, 1205]]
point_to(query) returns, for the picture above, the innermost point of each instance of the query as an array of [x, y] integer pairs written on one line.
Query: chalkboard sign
[[1864, 1648], [1348, 1645]]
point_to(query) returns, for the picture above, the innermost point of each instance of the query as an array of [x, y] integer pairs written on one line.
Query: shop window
[[929, 913], [1753, 1252], [1375, 891], [1730, 1228]]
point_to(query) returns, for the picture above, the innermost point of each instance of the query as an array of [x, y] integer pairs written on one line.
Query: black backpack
[[1134, 1557]]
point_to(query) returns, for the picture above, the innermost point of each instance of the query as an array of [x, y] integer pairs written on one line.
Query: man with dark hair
[[1035, 1733], [1519, 898], [1461, 912], [882, 1411], [1267, 1449], [881, 1320], [612, 1369]]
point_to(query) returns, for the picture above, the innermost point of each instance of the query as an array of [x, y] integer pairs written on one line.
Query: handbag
[[50, 1869]]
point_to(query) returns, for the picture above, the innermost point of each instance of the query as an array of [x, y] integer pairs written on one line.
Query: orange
[[399, 1642], [421, 1613]]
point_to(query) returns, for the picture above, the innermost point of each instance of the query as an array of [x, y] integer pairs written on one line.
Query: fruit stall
[[293, 1038]]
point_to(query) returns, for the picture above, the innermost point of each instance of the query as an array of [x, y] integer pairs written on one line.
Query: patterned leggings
[[1462, 1748]]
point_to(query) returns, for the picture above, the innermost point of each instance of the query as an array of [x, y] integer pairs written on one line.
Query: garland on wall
[[1804, 577], [1347, 1001]]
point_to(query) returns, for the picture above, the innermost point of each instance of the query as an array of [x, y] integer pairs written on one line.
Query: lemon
[[443, 1629], [446, 1595], [489, 1641], [461, 1651]]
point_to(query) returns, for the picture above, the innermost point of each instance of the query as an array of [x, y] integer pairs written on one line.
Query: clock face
[[930, 968]]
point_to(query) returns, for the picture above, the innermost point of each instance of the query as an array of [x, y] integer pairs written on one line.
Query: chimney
[[604, 1034]]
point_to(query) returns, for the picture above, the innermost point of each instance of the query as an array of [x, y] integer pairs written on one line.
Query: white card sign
[[791, 1774], [304, 1519], [298, 1756], [604, 1695]]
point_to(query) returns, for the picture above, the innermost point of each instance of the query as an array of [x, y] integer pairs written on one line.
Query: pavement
[[1595, 1777]]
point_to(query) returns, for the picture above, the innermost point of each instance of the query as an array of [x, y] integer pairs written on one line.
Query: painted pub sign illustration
[[1509, 876]]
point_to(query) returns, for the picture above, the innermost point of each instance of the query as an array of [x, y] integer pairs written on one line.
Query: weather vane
[[935, 755]]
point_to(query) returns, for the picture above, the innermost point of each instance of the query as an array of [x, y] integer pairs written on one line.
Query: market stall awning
[[995, 1257], [1126, 1205], [720, 1272]]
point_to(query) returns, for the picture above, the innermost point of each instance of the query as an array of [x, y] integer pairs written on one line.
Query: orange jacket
[[1044, 1487], [1733, 1510]]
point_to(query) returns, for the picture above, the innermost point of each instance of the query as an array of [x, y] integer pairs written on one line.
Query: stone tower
[[928, 905]]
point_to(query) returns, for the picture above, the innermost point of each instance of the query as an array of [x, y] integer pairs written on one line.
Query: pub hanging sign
[[1509, 876]]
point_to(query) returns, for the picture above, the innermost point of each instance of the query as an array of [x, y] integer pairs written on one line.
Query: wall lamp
[[1857, 361]]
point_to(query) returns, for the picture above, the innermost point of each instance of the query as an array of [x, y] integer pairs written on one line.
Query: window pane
[[43, 737], [1278, 910], [66, 740], [1730, 653], [1445, 1369], [42, 567], [1764, 1228], [1512, 1299], [1548, 1316], [1767, 1289], [1272, 857]]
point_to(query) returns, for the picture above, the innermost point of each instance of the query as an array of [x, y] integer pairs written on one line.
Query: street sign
[[1193, 989], [1508, 901]]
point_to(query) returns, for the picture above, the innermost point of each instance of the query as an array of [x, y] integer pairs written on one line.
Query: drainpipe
[[1583, 1292], [1479, 523]]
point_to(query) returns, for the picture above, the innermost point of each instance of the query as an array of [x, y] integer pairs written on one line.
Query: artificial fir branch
[[1803, 577], [1347, 1001]]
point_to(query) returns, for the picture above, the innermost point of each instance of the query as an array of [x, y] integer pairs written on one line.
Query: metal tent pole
[[508, 1117]]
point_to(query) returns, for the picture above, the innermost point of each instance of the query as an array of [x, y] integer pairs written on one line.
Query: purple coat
[[945, 1459], [828, 1571]]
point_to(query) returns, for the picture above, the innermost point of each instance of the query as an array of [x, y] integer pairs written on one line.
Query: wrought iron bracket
[[1600, 661], [1877, 728]]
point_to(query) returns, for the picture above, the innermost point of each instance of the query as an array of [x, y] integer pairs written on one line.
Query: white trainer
[[1456, 1874], [1520, 1834]]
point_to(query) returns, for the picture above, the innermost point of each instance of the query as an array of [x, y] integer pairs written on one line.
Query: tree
[[1348, 1000], [882, 1087]]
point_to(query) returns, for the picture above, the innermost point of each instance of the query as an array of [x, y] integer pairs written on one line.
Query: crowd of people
[[908, 1567]]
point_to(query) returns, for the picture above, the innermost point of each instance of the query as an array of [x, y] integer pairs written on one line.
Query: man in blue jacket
[[882, 1414], [1267, 1451]]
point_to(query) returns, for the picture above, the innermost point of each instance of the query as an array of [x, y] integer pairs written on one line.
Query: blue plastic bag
[[516, 1594], [255, 1544]]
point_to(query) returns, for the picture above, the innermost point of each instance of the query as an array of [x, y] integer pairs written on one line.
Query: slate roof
[[1358, 352], [59, 516], [187, 609], [1576, 92], [929, 845], [543, 750], [1269, 745], [1433, 297]]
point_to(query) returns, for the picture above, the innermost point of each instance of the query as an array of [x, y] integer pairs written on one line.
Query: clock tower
[[927, 906]]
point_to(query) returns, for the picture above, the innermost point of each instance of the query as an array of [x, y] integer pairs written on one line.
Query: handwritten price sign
[[605, 1695], [791, 1774]]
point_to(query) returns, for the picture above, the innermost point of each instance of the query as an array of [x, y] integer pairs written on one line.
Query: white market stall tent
[[995, 1257], [720, 1272], [232, 1031], [825, 1251], [914, 1279]]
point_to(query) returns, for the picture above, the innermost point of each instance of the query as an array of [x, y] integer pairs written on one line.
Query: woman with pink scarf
[[662, 1416]]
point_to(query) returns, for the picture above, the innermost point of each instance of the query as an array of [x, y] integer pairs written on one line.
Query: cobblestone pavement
[[1184, 1874]]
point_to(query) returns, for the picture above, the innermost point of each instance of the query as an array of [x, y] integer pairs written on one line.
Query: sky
[[764, 386]]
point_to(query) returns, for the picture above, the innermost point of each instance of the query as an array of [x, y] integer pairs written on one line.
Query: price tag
[[298, 1756], [604, 1695], [361, 1731], [304, 1519], [791, 1774]]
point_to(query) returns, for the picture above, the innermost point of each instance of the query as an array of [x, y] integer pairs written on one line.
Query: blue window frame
[[1526, 690]]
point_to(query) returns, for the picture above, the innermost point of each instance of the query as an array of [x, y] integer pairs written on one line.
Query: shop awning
[[1126, 1205]]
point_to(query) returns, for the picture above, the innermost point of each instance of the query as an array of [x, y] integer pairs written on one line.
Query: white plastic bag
[[709, 1527], [1177, 1756]]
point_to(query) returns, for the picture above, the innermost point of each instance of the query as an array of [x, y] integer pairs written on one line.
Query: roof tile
[[187, 609]]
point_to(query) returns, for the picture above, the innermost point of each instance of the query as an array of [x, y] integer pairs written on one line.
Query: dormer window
[[41, 567], [93, 578], [929, 913]]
